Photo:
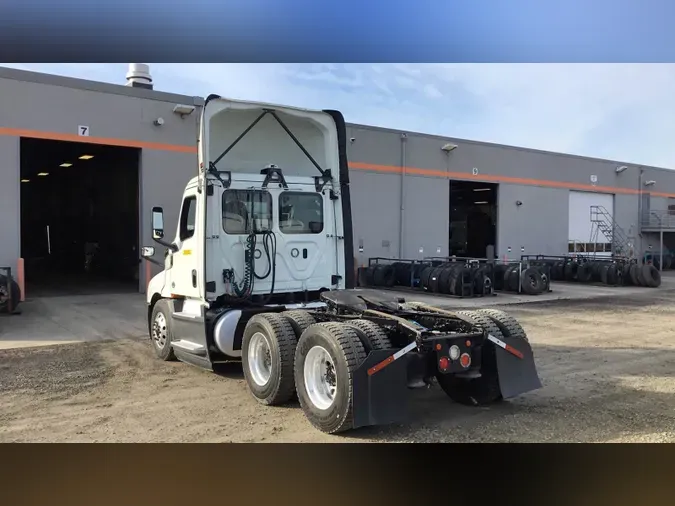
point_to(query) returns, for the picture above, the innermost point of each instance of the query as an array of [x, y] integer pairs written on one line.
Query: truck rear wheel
[[267, 354], [371, 335], [160, 330], [506, 323], [476, 391], [326, 358], [299, 320]]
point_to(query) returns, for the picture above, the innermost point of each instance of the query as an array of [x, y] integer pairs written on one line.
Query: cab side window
[[188, 218]]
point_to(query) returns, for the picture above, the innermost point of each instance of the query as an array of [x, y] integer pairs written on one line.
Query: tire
[[531, 281], [633, 274], [584, 272], [444, 280], [651, 276], [506, 323], [424, 277], [299, 320], [271, 383], [499, 276], [362, 276], [371, 335], [570, 271], [512, 278], [476, 391], [384, 276], [161, 331], [639, 273], [13, 295], [340, 343]]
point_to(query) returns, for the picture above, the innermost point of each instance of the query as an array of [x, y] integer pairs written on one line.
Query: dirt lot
[[607, 368]]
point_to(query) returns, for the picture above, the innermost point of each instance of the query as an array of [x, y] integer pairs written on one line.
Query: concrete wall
[[53, 109], [379, 158]]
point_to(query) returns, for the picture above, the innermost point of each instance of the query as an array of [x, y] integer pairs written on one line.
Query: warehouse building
[[82, 164]]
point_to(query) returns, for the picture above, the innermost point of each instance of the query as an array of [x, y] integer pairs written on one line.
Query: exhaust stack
[[139, 76]]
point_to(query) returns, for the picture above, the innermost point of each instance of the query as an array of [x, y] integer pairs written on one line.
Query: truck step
[[190, 347]]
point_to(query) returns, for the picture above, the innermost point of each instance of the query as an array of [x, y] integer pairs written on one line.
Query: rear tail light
[[443, 363], [465, 360]]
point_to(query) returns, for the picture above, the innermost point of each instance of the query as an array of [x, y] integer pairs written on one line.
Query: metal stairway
[[603, 222]]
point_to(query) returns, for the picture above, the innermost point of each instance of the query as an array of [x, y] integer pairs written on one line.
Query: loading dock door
[[582, 234]]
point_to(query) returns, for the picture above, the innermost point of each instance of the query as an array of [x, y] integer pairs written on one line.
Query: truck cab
[[265, 223]]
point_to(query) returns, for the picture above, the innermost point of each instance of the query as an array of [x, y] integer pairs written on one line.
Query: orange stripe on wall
[[392, 169], [35, 134]]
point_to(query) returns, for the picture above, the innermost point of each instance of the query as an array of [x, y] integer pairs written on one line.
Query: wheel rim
[[259, 359], [159, 330], [320, 377]]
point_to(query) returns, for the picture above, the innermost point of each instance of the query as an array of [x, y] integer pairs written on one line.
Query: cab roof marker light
[[86, 157]]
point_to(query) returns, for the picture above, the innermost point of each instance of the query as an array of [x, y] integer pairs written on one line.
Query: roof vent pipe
[[139, 76]]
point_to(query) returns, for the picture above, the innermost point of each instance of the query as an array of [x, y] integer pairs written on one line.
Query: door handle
[[194, 278]]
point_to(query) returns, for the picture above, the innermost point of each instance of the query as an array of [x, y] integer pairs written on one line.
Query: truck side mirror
[[157, 223]]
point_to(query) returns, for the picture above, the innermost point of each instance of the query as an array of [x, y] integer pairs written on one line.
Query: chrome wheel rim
[[320, 377], [159, 333], [260, 359]]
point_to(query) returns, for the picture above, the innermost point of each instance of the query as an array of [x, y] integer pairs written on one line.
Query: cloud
[[621, 111]]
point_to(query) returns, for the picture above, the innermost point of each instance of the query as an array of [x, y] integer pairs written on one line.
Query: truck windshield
[[245, 211], [300, 213]]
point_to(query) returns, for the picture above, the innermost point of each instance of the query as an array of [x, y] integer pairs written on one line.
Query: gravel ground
[[607, 369]]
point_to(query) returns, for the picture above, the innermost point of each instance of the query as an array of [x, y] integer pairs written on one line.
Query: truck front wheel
[[326, 358], [160, 330], [267, 353]]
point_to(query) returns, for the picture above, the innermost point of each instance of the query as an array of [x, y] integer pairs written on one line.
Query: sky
[[624, 112]]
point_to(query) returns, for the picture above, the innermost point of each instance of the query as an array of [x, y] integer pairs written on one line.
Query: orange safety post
[[20, 279]]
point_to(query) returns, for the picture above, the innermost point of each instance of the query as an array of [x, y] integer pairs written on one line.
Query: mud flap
[[382, 397], [515, 366]]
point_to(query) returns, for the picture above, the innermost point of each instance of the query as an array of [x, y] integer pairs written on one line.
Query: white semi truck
[[261, 270]]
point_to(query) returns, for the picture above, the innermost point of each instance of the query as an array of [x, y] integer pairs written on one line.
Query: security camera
[[519, 203], [352, 139], [159, 121]]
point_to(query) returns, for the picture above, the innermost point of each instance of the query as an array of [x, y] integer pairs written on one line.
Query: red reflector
[[443, 363], [465, 360], [438, 347]]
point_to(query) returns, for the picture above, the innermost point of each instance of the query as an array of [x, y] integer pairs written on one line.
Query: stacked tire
[[457, 279], [608, 273], [530, 280], [642, 275]]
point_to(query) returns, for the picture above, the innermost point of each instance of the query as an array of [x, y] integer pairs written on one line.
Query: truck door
[[187, 261]]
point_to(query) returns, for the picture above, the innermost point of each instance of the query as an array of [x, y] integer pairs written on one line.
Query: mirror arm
[[153, 261], [169, 245]]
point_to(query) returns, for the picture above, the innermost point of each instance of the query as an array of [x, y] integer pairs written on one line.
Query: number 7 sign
[[83, 131]]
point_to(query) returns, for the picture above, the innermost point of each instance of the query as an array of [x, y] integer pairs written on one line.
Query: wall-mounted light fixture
[[449, 147], [519, 203], [183, 110], [620, 169], [159, 122], [650, 183]]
